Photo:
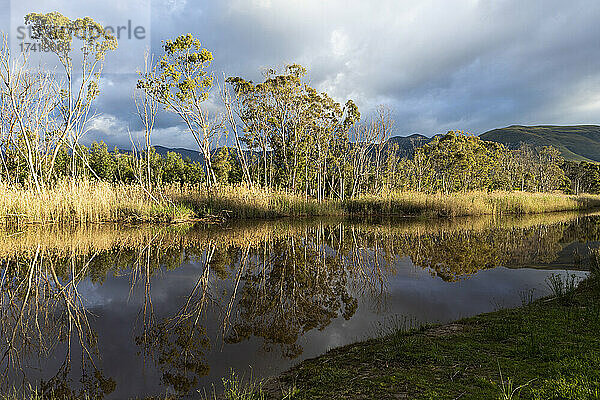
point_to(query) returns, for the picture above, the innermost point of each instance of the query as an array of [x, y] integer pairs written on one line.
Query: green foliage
[[101, 162], [222, 165], [183, 78], [458, 162], [56, 32], [583, 177], [301, 136]]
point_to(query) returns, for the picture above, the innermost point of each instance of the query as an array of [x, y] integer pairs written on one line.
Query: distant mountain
[[577, 143], [408, 144], [193, 155]]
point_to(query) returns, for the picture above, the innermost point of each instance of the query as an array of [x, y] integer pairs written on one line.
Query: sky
[[439, 65]]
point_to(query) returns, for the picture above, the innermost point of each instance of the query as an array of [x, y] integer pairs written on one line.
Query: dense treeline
[[286, 135], [450, 163]]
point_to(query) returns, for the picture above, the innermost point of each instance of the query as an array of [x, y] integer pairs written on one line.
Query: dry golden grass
[[250, 202], [85, 202], [88, 202], [470, 203]]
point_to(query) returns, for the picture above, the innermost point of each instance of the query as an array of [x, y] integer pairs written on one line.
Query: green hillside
[[578, 143]]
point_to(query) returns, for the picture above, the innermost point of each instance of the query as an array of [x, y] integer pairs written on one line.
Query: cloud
[[466, 64]]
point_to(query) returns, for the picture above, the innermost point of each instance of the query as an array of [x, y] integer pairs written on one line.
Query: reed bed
[[243, 202], [469, 204], [88, 202]]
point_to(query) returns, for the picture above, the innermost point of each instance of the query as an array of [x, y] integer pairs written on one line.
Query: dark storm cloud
[[470, 65]]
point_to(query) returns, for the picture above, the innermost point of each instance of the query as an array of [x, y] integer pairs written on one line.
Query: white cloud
[[465, 64], [339, 43]]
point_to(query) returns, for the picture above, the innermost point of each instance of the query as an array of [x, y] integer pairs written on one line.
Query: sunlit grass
[[87, 202], [547, 349], [470, 203]]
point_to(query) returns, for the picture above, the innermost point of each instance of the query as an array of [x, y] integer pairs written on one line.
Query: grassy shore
[[546, 349], [97, 202]]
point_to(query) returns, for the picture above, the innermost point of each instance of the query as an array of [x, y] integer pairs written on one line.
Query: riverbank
[[546, 349], [100, 202]]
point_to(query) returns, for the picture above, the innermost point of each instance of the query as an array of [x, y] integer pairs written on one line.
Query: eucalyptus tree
[[273, 117], [299, 129], [251, 113], [182, 85], [364, 136], [331, 123], [548, 173], [458, 161], [56, 34], [584, 177], [232, 112], [383, 126]]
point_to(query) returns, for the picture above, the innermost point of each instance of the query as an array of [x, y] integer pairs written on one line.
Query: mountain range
[[577, 143]]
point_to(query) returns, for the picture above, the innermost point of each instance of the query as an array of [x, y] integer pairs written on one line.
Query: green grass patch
[[548, 349]]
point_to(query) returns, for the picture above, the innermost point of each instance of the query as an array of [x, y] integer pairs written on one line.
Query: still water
[[134, 311]]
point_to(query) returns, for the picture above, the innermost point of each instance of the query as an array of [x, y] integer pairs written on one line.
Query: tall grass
[[95, 202], [86, 202], [470, 203], [251, 202], [235, 387], [244, 202]]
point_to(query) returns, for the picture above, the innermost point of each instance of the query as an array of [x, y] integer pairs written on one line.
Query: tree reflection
[[43, 313], [293, 286], [274, 281]]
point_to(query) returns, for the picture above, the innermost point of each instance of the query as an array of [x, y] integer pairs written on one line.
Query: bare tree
[[382, 125], [364, 136], [147, 107], [28, 111], [56, 32]]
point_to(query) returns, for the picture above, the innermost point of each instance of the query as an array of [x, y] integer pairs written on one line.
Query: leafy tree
[[181, 85], [222, 164], [173, 170], [102, 163], [56, 33], [301, 134]]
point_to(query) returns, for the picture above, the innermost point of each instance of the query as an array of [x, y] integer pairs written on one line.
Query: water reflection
[[126, 311]]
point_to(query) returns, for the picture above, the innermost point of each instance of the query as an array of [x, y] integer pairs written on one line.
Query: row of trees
[[118, 166], [286, 135], [303, 141], [461, 162], [449, 163]]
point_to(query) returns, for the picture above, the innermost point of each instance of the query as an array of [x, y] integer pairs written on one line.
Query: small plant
[[289, 393], [507, 389], [394, 325], [527, 296], [562, 286], [236, 388]]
